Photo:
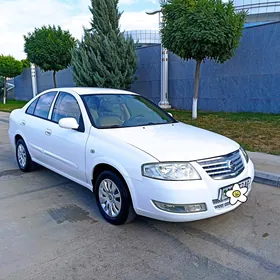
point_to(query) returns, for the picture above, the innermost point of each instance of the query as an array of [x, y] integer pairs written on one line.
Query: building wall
[[249, 82]]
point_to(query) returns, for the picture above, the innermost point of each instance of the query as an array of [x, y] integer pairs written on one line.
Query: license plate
[[242, 184]]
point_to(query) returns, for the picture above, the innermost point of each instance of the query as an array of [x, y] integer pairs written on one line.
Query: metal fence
[[258, 7], [148, 37], [259, 10]]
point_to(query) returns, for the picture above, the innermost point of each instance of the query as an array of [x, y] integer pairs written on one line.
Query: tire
[[121, 210], [23, 157]]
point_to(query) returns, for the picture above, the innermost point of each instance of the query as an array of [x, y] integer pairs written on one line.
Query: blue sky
[[125, 5], [140, 5], [69, 14]]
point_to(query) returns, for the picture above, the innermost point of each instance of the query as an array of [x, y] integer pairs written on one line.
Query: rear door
[[34, 125], [66, 147]]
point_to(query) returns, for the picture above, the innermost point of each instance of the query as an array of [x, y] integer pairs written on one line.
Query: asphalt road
[[50, 229]]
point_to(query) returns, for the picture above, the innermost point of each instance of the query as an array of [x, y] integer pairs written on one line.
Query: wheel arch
[[18, 137], [102, 166]]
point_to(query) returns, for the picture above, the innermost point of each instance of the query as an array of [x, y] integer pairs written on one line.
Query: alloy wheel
[[110, 198], [22, 156]]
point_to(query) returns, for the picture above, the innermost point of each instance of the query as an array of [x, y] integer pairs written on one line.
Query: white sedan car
[[135, 157]]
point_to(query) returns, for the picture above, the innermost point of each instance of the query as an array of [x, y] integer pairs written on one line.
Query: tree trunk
[[54, 78], [196, 88], [5, 90]]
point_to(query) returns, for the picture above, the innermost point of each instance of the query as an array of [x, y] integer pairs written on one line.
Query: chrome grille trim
[[223, 167]]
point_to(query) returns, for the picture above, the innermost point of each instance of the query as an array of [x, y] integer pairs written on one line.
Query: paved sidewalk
[[267, 168], [266, 162], [4, 115]]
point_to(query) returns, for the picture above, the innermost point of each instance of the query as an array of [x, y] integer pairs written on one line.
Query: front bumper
[[184, 192]]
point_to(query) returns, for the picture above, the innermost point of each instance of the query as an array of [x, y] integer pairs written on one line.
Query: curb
[[267, 178]]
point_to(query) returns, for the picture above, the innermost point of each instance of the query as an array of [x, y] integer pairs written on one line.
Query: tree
[[49, 48], [199, 30], [25, 63], [104, 57], [9, 68]]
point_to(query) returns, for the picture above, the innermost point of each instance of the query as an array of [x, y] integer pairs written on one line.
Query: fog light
[[181, 208]]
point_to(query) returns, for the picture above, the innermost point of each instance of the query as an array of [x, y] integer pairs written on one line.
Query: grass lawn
[[256, 132], [11, 105]]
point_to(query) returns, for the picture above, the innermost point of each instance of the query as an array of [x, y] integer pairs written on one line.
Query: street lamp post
[[164, 69]]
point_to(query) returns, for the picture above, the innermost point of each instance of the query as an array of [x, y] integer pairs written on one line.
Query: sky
[[18, 17]]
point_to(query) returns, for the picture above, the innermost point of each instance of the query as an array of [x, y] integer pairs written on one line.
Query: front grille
[[223, 167]]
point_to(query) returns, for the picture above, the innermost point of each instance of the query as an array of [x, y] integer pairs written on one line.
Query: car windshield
[[124, 110]]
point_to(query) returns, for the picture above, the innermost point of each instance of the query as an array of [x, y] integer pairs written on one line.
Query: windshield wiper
[[151, 123], [112, 126]]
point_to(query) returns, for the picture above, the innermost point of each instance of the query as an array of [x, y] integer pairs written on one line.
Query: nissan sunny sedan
[[135, 157]]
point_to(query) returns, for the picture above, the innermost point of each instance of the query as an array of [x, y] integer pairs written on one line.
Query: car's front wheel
[[23, 157], [113, 198]]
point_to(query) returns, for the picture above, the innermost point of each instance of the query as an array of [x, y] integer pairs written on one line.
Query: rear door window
[[31, 107], [44, 104]]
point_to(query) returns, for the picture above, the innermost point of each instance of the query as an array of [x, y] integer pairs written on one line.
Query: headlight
[[244, 154], [177, 171]]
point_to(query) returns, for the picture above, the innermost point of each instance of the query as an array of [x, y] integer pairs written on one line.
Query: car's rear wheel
[[23, 157], [113, 198]]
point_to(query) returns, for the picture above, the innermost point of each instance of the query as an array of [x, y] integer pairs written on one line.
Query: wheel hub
[[110, 198], [21, 153]]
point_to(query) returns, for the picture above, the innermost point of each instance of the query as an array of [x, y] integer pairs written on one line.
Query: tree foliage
[[9, 68], [201, 29], [25, 63], [49, 48], [104, 57]]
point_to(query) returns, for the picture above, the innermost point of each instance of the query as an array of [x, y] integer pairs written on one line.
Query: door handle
[[22, 123], [48, 132]]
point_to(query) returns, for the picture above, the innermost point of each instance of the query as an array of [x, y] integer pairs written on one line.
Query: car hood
[[175, 142]]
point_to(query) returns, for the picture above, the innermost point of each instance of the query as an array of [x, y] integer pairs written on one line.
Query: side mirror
[[68, 123], [170, 114]]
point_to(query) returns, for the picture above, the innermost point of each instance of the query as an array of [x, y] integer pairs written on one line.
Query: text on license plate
[[242, 184]]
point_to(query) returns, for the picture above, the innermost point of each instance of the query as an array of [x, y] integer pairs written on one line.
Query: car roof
[[92, 90]]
